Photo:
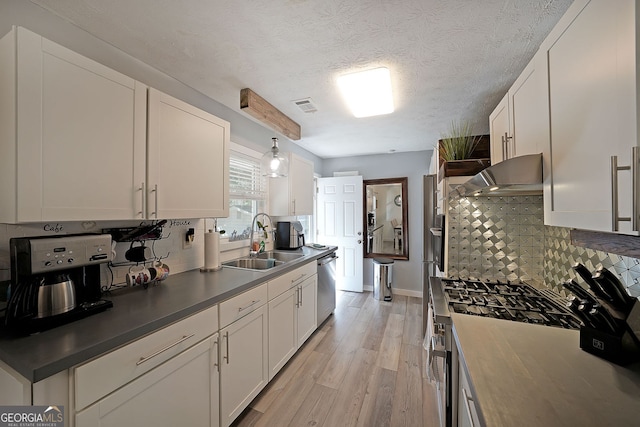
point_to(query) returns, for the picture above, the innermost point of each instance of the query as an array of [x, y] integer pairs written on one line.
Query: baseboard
[[398, 291]]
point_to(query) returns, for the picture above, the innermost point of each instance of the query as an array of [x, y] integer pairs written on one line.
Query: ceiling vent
[[306, 105]]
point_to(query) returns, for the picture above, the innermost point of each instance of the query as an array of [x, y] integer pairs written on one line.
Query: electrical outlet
[[187, 241]]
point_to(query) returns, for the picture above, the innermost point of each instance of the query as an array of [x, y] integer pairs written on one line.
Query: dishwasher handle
[[327, 259]]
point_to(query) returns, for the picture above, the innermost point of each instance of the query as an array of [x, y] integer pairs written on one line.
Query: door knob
[[359, 233], [359, 241]]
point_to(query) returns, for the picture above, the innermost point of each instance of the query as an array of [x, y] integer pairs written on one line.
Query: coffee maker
[[55, 280]]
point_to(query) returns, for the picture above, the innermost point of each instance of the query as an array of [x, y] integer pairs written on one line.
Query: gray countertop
[[532, 375], [135, 313]]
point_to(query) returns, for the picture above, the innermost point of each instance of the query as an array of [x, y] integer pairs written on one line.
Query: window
[[247, 193]]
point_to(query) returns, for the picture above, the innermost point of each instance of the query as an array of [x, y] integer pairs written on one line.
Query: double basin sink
[[263, 260]]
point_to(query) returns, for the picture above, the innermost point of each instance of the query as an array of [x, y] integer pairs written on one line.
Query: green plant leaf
[[458, 143]]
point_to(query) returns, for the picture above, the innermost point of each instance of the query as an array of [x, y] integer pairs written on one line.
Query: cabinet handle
[[467, 404], [146, 358], [615, 213], [635, 158], [142, 190], [216, 362], [298, 278], [294, 206], [155, 190], [251, 304], [226, 335], [300, 295], [504, 146]]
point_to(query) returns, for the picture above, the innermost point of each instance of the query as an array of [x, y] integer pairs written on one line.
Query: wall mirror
[[385, 218]]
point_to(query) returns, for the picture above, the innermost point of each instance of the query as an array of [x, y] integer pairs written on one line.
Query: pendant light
[[273, 163]]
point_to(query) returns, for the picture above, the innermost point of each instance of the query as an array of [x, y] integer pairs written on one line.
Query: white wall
[[413, 165]]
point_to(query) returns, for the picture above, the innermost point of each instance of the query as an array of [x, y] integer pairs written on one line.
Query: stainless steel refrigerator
[[433, 241]]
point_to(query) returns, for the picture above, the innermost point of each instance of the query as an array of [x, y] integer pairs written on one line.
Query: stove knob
[[59, 261], [47, 264], [70, 260]]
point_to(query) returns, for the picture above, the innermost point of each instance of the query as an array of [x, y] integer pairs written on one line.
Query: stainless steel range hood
[[520, 175]]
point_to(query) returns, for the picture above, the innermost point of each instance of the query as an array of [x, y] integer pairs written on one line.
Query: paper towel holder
[[206, 269]]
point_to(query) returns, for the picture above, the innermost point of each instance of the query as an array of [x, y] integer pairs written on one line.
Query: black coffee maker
[[55, 280]]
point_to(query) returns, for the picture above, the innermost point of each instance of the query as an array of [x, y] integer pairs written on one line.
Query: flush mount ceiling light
[[367, 93], [273, 163]]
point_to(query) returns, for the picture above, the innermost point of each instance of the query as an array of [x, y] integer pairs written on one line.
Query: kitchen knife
[[612, 285], [573, 306], [618, 302], [605, 318], [579, 291], [586, 275]]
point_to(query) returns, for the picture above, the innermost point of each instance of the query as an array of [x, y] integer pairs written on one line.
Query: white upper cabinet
[[74, 143], [188, 165], [499, 130], [517, 125], [293, 194], [592, 90], [72, 135]]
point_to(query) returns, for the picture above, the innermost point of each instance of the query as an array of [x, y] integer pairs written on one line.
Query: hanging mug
[[140, 275], [138, 253], [162, 270]]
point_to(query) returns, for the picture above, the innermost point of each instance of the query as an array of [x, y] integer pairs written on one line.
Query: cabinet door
[[592, 111], [188, 164], [528, 122], [307, 308], [293, 194], [175, 393], [215, 380], [499, 131], [81, 136], [302, 189], [244, 363], [283, 326], [467, 410]]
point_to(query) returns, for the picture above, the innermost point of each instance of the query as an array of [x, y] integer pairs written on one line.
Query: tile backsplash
[[504, 237], [169, 248]]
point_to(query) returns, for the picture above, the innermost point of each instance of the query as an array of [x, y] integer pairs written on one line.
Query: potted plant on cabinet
[[462, 153]]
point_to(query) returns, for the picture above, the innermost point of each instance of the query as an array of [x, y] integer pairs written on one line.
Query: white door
[[340, 223]]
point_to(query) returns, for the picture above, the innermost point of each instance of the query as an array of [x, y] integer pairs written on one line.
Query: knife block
[[620, 348]]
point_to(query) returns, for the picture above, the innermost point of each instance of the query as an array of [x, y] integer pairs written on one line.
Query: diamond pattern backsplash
[[505, 238]]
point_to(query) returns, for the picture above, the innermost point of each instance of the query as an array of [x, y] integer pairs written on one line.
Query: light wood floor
[[363, 367]]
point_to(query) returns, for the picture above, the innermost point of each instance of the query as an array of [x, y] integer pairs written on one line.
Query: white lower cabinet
[[283, 330], [178, 392], [243, 363], [467, 411], [292, 319], [307, 308]]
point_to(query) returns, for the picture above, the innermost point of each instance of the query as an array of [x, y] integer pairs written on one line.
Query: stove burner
[[510, 301]]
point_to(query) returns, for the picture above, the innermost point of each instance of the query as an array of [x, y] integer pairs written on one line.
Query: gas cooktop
[[518, 302]]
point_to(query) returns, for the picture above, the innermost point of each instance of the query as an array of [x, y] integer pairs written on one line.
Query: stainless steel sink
[[252, 263], [279, 256], [263, 260]]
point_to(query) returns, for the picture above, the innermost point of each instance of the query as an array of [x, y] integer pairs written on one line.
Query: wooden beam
[[260, 109]]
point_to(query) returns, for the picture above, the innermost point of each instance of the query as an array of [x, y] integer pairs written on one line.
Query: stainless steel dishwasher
[[326, 286]]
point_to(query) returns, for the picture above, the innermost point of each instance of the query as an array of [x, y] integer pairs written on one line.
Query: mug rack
[[142, 232]]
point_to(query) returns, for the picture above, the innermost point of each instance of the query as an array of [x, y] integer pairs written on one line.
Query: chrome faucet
[[253, 253]]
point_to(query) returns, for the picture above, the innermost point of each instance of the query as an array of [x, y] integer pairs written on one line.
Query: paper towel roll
[[212, 250]]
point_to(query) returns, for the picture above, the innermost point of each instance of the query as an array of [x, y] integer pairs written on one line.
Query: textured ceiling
[[449, 59]]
